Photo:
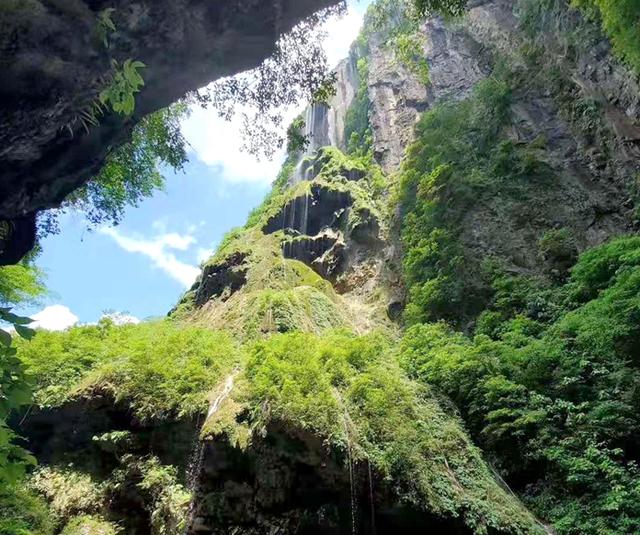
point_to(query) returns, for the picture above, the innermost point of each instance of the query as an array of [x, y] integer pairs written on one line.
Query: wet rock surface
[[325, 252], [288, 482], [223, 279], [310, 213]]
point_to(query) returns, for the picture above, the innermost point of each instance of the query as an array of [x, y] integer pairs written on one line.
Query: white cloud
[[204, 254], [217, 142], [54, 318], [121, 318], [341, 33], [157, 249]]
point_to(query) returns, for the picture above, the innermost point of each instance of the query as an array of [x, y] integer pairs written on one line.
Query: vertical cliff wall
[[471, 160]]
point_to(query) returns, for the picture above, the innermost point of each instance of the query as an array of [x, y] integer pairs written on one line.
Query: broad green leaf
[[25, 332], [5, 338]]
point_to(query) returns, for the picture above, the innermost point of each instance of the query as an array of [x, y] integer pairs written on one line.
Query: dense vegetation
[[344, 388], [131, 172], [548, 386], [160, 368], [544, 373], [454, 161], [621, 22], [527, 376]]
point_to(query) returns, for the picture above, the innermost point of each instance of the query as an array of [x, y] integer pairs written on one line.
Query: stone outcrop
[[289, 482], [222, 279], [54, 65]]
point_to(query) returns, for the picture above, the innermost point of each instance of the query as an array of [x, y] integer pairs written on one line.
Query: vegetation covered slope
[[539, 357], [510, 368], [347, 391]]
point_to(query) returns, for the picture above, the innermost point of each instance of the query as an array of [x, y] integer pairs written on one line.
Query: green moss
[[159, 368], [283, 295], [349, 390], [552, 398], [90, 525]]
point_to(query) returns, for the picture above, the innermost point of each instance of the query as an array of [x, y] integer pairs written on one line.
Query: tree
[[131, 172], [298, 71], [451, 8]]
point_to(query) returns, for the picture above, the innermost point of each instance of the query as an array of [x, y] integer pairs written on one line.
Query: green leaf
[[5, 338], [15, 319], [25, 332]]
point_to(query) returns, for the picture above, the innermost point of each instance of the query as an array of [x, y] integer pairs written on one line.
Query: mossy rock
[[90, 525]]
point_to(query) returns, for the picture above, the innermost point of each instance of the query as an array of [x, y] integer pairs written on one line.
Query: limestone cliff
[[310, 419]]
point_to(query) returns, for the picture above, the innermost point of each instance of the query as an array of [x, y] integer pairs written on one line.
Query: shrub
[[553, 402]]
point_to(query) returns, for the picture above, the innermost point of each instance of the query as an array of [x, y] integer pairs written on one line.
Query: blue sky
[[143, 266]]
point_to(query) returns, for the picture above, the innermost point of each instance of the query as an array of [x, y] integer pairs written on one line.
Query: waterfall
[[371, 502], [197, 456], [226, 390], [305, 215], [317, 133], [352, 489], [193, 471]]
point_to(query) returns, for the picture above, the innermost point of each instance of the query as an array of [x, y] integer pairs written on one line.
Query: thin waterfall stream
[[197, 457]]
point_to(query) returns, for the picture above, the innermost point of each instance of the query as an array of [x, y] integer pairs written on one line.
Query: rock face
[[289, 483], [591, 193], [55, 62], [326, 245]]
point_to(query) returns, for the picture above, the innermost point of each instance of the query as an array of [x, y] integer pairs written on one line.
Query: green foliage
[[451, 8], [278, 187], [18, 284], [22, 512], [15, 393], [357, 129], [105, 25], [160, 368], [297, 142], [409, 51], [559, 251], [90, 525], [621, 23], [458, 156], [326, 91], [280, 295], [553, 397], [125, 82], [388, 18], [166, 500], [131, 172], [21, 283], [69, 493], [349, 390]]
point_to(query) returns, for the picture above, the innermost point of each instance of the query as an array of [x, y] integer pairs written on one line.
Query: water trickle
[[292, 225], [371, 503], [194, 468], [305, 215], [351, 476], [226, 390], [196, 459], [315, 124]]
